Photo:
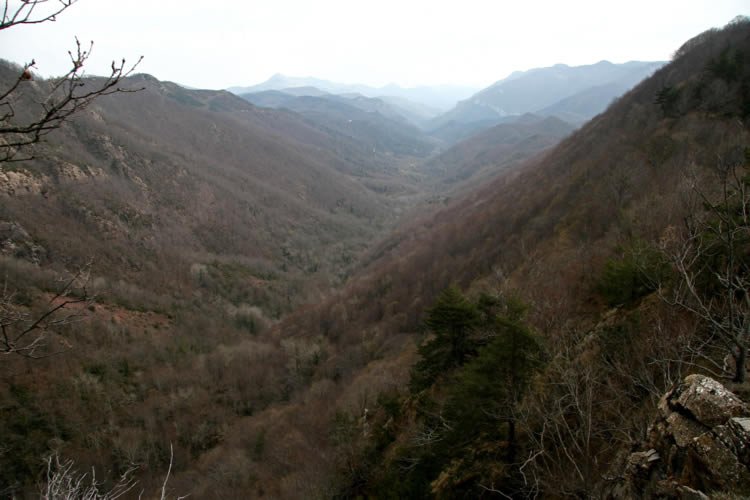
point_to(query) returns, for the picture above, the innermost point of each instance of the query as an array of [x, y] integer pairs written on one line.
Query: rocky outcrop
[[15, 241], [700, 444]]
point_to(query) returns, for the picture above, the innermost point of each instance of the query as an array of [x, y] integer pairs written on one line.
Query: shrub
[[635, 274]]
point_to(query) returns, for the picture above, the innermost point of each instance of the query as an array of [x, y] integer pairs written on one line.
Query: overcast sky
[[222, 43]]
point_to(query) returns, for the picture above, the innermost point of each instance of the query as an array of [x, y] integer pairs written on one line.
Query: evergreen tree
[[452, 321], [488, 389]]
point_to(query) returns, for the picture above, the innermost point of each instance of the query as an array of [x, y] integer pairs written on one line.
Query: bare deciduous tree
[[29, 110], [711, 262], [25, 332], [562, 450], [46, 105], [64, 482], [32, 11]]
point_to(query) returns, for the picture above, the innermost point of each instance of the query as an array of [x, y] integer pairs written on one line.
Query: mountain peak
[[573, 93]]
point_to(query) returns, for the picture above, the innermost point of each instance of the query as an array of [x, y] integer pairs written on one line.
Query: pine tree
[[452, 321], [489, 388]]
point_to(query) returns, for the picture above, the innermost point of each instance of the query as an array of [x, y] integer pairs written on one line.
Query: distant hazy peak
[[573, 93], [441, 97], [561, 66]]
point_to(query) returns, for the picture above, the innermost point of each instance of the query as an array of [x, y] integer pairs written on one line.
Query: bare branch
[[24, 332], [169, 470], [65, 482], [493, 490], [32, 11], [711, 264], [49, 104]]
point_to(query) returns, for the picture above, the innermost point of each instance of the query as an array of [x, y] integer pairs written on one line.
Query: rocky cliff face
[[699, 445]]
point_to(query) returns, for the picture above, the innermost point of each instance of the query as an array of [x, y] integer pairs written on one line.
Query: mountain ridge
[[438, 96], [539, 88], [263, 306], [369, 121], [543, 233]]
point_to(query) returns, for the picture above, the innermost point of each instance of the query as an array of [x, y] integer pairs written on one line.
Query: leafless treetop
[[17, 12]]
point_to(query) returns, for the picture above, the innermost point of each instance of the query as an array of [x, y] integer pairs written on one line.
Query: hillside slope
[[184, 176], [543, 232], [486, 154], [370, 122], [320, 403], [198, 220]]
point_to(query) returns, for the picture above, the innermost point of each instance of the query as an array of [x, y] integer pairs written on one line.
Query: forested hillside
[[482, 156], [169, 223], [154, 182], [371, 122], [257, 302], [574, 251]]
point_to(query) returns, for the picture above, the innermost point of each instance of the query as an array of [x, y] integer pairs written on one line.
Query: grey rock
[[699, 443], [709, 402], [642, 459], [682, 429], [719, 462]]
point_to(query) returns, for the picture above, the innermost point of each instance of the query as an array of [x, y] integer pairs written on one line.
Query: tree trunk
[[511, 440], [740, 360]]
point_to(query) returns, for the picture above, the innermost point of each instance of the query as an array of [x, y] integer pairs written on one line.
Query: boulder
[[699, 444], [706, 400]]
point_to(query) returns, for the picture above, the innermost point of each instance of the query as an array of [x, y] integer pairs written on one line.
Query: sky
[[222, 43]]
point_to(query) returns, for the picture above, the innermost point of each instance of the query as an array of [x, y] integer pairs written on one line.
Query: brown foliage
[[254, 415]]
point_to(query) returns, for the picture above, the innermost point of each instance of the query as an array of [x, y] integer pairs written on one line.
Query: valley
[[305, 289], [199, 220]]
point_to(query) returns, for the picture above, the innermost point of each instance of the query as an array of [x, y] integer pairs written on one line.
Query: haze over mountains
[[373, 121], [440, 97], [560, 233], [311, 290], [573, 94]]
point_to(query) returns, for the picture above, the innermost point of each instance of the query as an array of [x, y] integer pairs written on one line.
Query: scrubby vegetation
[[587, 237], [510, 340]]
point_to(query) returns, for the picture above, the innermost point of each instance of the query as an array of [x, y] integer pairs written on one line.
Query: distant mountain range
[[393, 108], [572, 93], [439, 97], [380, 125], [546, 234], [267, 275]]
